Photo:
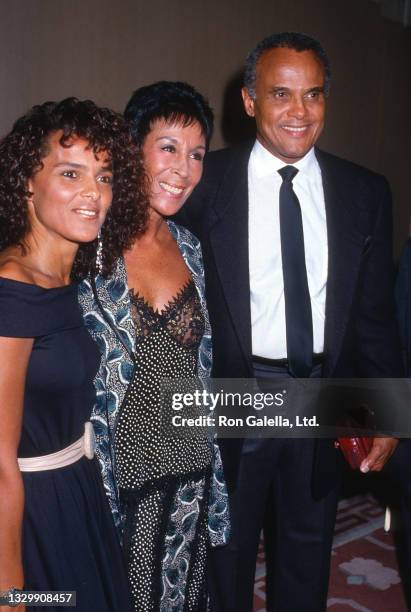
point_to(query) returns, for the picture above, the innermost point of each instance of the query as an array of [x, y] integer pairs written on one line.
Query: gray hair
[[289, 40]]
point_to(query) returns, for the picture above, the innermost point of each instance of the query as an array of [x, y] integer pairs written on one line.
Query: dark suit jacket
[[403, 295], [361, 338]]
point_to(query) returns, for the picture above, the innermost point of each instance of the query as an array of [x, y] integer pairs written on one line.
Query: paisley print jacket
[[114, 333]]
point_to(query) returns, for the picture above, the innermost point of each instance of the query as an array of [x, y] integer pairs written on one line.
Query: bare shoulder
[[12, 267]]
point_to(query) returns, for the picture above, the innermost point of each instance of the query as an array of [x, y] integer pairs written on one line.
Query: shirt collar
[[264, 163]]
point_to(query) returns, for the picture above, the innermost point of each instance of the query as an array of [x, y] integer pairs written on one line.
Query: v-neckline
[[136, 296]]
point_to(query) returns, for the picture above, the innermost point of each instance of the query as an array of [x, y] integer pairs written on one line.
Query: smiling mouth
[[293, 129], [86, 213], [171, 188]]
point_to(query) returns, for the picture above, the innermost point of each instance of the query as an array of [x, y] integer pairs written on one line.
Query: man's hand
[[381, 451]]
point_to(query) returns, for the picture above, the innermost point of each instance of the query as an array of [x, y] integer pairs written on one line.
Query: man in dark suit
[[297, 253], [400, 469], [403, 299]]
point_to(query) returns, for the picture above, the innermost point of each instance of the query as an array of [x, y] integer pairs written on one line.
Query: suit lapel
[[345, 246], [229, 242]]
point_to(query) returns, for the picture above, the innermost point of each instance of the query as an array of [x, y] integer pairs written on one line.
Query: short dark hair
[[289, 40], [172, 101], [21, 155]]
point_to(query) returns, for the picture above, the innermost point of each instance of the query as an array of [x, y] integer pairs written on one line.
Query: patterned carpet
[[364, 569]]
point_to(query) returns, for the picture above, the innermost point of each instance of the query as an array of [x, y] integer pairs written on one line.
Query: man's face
[[289, 104]]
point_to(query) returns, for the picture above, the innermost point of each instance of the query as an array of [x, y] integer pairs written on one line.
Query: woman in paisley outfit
[[150, 320]]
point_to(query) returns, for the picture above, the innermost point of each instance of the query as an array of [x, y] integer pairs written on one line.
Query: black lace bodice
[[167, 343], [182, 317]]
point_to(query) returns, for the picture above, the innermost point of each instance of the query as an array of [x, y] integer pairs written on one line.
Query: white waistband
[[85, 446]]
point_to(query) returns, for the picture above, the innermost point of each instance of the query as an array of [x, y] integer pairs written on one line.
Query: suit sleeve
[[377, 329], [403, 298]]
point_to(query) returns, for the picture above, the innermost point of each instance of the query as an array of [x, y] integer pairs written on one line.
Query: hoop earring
[[99, 254]]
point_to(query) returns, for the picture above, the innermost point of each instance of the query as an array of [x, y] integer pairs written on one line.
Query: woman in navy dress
[[60, 168]]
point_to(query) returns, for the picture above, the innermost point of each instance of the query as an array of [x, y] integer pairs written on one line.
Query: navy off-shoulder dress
[[69, 538]]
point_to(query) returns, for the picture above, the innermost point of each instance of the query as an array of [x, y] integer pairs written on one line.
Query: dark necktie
[[298, 317]]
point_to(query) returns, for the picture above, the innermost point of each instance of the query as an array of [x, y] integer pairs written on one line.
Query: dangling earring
[[99, 254]]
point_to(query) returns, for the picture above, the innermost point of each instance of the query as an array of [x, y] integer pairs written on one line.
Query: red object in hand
[[355, 450]]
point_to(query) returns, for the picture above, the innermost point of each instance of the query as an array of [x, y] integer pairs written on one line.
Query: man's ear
[[248, 102]]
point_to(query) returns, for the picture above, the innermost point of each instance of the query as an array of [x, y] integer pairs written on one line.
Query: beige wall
[[103, 49]]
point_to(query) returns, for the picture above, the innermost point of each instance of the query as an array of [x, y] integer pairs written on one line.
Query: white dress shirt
[[265, 263]]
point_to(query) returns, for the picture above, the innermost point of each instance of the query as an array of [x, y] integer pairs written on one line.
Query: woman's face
[[72, 193], [173, 158]]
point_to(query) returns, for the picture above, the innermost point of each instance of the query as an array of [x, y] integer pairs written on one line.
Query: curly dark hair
[[21, 154], [173, 101]]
